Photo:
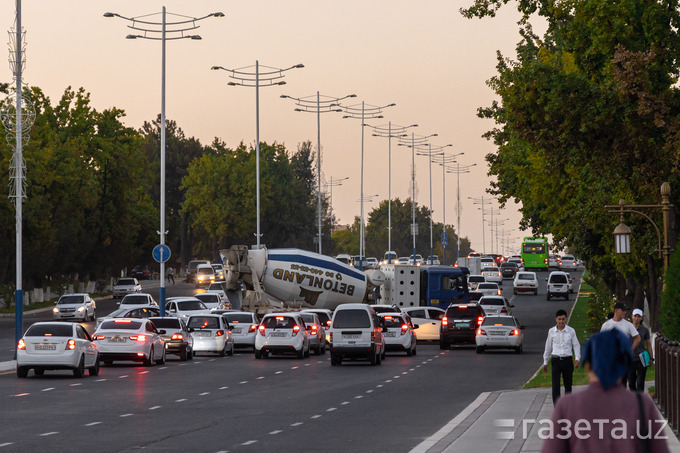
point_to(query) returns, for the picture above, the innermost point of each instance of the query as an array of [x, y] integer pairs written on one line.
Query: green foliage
[[600, 303], [670, 300]]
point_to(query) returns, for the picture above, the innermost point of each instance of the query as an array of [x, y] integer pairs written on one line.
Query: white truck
[[473, 263]]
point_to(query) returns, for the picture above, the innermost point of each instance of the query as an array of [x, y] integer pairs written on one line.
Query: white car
[[487, 261], [325, 316], [489, 289], [211, 333], [317, 333], [429, 320], [403, 260], [389, 258], [399, 333], [525, 281], [558, 285], [57, 346], [219, 272], [474, 280], [127, 285], [499, 331], [282, 333], [243, 327], [356, 333], [130, 339], [495, 305], [130, 312], [205, 275], [138, 300], [568, 263], [185, 306], [210, 300], [554, 261], [493, 274], [434, 260], [372, 263], [75, 306]]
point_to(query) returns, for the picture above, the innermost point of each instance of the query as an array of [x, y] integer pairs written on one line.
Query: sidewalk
[[501, 421]]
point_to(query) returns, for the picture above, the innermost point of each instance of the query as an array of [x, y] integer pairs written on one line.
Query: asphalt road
[[238, 403]]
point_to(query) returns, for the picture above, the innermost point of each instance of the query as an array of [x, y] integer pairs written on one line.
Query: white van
[[558, 285], [356, 332]]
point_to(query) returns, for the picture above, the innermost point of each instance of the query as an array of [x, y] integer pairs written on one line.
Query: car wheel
[[301, 353], [535, 292], [94, 369], [480, 349], [258, 354], [548, 296], [378, 360], [22, 371], [518, 349], [38, 371], [443, 345], [161, 361], [384, 353], [79, 371], [183, 355], [150, 360], [409, 352], [323, 347], [333, 360], [374, 359], [414, 350], [223, 352], [231, 351], [307, 351]]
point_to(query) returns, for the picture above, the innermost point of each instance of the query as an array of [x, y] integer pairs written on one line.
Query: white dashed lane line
[[153, 408], [315, 416], [276, 431], [261, 377], [93, 424], [331, 409], [181, 400], [48, 389], [224, 388], [204, 393], [243, 382], [278, 372], [75, 385], [126, 415], [6, 444], [296, 424], [250, 442], [51, 433]]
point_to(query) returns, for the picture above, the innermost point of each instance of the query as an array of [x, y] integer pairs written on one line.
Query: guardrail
[[667, 379]]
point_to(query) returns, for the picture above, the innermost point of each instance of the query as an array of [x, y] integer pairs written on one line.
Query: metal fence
[[667, 379]]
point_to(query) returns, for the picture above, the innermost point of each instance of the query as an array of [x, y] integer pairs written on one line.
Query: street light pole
[[379, 131], [318, 106], [481, 200], [158, 31], [336, 182], [271, 77], [459, 170], [373, 111]]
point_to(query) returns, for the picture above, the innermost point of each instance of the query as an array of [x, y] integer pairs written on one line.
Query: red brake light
[[296, 329], [388, 317], [445, 321], [177, 336], [48, 334], [252, 328], [404, 328], [462, 306], [140, 354], [71, 345], [328, 323], [122, 320], [481, 332], [21, 345], [261, 329], [98, 337], [479, 320], [514, 332], [219, 333], [499, 292], [504, 310], [139, 338], [279, 318]]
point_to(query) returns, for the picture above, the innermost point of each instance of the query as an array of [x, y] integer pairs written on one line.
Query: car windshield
[[463, 311], [52, 330], [491, 269], [278, 322], [120, 325], [351, 319], [568, 258], [205, 270], [487, 286], [508, 264], [63, 300], [308, 318], [526, 277], [559, 278], [207, 297], [476, 278], [166, 323], [239, 317], [392, 321], [491, 301], [204, 322], [498, 321], [191, 305], [134, 299], [323, 317], [125, 282]]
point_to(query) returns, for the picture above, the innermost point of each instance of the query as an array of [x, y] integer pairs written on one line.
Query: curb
[[10, 365]]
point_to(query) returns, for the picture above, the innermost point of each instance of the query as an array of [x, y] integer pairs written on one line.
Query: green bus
[[535, 253]]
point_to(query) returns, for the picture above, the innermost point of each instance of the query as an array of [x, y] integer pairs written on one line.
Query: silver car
[[500, 331], [75, 306], [211, 334], [317, 333], [125, 286], [243, 327], [496, 305]]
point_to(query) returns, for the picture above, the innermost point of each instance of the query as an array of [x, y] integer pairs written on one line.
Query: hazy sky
[[421, 55]]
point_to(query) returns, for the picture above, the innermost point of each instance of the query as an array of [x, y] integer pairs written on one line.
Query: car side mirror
[[546, 279], [415, 326], [117, 303], [191, 329], [512, 305], [161, 332], [522, 327], [55, 302]]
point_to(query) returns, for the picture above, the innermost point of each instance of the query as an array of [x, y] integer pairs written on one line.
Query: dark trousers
[[636, 376], [562, 367]]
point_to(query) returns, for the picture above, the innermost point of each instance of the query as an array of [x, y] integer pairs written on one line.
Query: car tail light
[[373, 336], [140, 354], [296, 329], [219, 333], [139, 338], [98, 337], [462, 306], [71, 344], [252, 328], [514, 332], [481, 332], [479, 320], [404, 328], [498, 292], [22, 344], [261, 330], [177, 336], [445, 321], [279, 318], [504, 310], [314, 328], [122, 320], [328, 323]]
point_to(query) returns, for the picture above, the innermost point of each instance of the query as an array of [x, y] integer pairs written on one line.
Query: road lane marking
[[181, 400], [100, 380], [379, 386], [6, 444], [127, 415], [204, 393], [296, 424], [224, 388], [388, 381], [261, 377], [153, 408], [163, 368], [48, 389], [369, 391], [331, 409], [307, 364], [143, 372], [295, 368], [243, 382], [404, 372], [358, 397], [411, 369], [276, 431], [93, 424], [345, 403], [22, 394], [315, 416], [278, 372], [75, 385], [250, 442], [49, 434], [123, 376]]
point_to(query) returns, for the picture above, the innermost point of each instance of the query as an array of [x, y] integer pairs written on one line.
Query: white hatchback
[[399, 333], [185, 306], [211, 334], [525, 282], [57, 346], [495, 305], [493, 274], [282, 333], [243, 327], [568, 263]]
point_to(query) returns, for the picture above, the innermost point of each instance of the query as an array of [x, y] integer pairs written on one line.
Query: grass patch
[[577, 320]]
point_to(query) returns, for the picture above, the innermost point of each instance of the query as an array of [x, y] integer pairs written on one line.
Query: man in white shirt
[[558, 346], [628, 329]]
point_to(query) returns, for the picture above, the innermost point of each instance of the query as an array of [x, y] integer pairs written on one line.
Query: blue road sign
[[445, 238], [161, 253]]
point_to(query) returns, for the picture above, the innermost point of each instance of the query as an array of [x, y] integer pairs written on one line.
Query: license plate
[[462, 324], [496, 333], [117, 340], [390, 334], [277, 334], [204, 334], [235, 330], [351, 337], [46, 347]]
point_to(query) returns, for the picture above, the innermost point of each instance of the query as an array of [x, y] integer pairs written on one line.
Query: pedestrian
[[626, 327], [171, 275], [606, 417], [558, 348], [636, 377]]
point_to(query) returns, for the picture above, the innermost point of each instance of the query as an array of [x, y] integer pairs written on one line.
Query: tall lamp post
[[421, 140], [622, 233], [163, 31], [481, 200], [244, 77], [396, 132], [330, 185], [444, 160], [363, 113], [318, 106], [459, 169]]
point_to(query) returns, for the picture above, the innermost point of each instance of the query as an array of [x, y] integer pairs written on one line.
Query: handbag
[[645, 358]]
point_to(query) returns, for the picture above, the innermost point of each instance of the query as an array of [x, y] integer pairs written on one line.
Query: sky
[[422, 56]]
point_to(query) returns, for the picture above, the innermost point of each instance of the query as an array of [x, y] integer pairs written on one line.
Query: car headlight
[[55, 310], [81, 308]]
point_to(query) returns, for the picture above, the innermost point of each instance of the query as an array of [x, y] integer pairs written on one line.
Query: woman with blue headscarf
[[605, 417]]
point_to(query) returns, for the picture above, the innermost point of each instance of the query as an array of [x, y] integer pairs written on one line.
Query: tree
[[670, 300]]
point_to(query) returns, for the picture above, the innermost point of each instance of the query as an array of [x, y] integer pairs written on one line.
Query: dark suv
[[140, 272], [459, 324], [508, 269]]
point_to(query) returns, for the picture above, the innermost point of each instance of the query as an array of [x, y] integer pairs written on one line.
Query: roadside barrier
[[667, 379]]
